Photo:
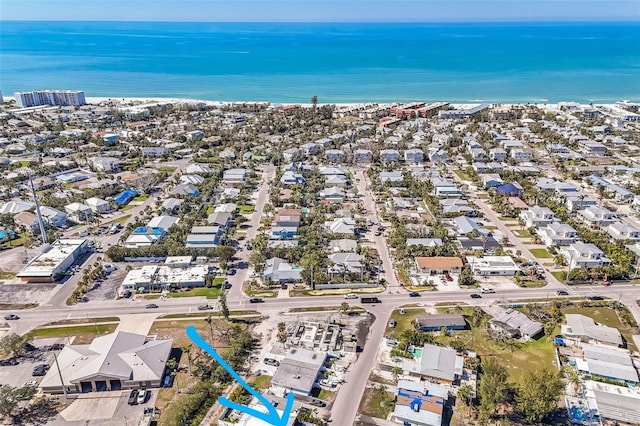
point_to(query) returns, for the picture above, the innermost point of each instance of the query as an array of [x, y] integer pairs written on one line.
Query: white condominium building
[[50, 97]]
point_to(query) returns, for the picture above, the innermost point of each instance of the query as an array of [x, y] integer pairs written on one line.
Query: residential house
[[204, 237], [290, 154], [512, 189], [391, 177], [445, 188], [78, 212], [591, 148], [288, 217], [98, 205], [515, 324], [436, 322], [144, 236], [336, 180], [192, 179], [520, 155], [235, 175], [310, 148], [455, 207], [420, 403], [279, 270], [623, 231], [29, 221], [153, 151], [491, 180], [163, 222], [333, 195], [438, 265], [437, 364], [537, 217], [608, 364], [579, 201], [414, 155], [493, 266], [54, 216], [346, 262], [343, 245], [335, 156], [171, 205], [389, 155], [222, 219], [342, 225], [465, 225], [469, 245], [105, 164], [185, 189], [291, 178], [497, 154], [559, 187], [580, 328], [597, 217], [197, 168], [584, 255], [557, 234], [437, 155], [424, 242], [362, 156]]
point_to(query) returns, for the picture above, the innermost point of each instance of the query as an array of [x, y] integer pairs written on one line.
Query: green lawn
[[4, 275], [210, 210], [72, 331], [462, 175], [218, 280], [521, 356], [121, 220], [209, 293], [403, 321], [560, 275], [376, 404], [128, 207], [541, 253], [522, 233], [606, 316], [246, 209], [529, 282], [141, 197], [261, 382]]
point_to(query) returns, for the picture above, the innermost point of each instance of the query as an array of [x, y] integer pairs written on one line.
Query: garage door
[[86, 387], [101, 385], [116, 385]]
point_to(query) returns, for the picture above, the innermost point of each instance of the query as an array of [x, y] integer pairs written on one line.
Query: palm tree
[[187, 351], [209, 322]]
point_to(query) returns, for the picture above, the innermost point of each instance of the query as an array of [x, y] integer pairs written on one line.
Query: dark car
[[9, 361], [127, 294], [475, 296], [204, 307], [40, 370], [255, 300], [133, 397], [151, 306], [231, 271], [10, 317], [226, 285], [414, 294], [562, 293], [271, 361], [596, 298], [318, 403]]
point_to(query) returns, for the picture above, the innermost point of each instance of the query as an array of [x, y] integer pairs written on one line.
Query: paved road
[[488, 212]]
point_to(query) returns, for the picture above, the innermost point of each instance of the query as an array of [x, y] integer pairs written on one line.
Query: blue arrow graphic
[[273, 418]]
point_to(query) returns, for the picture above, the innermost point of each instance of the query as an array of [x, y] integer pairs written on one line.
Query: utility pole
[[43, 232], [64, 388]]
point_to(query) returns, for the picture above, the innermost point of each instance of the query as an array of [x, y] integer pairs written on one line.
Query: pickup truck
[[370, 300]]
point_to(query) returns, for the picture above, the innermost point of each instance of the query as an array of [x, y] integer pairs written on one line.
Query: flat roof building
[[298, 371], [49, 265]]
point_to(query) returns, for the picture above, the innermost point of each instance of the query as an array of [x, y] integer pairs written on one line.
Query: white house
[[557, 234], [537, 217], [584, 255], [493, 265], [597, 217], [414, 156], [520, 155], [53, 216], [623, 231], [78, 212], [98, 205], [342, 225], [391, 177], [235, 175]]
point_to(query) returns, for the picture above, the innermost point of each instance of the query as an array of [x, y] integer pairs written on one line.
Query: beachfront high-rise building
[[50, 97]]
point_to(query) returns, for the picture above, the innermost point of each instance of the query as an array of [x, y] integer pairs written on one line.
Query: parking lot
[[106, 289], [18, 375]]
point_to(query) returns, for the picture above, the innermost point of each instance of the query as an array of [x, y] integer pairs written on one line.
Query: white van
[[350, 296], [485, 290]]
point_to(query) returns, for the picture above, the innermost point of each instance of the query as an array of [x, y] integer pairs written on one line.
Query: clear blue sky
[[321, 10]]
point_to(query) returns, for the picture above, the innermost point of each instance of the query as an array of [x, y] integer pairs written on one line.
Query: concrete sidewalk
[[136, 323]]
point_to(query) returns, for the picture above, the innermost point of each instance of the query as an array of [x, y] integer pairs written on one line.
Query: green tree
[[224, 309], [493, 386], [225, 253], [8, 400], [344, 307], [537, 393], [13, 343], [465, 394], [466, 277]]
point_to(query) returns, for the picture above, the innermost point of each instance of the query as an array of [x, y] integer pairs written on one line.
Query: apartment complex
[[50, 97]]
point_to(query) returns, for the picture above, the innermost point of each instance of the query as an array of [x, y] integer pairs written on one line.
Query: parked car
[[133, 397], [40, 370], [226, 285], [30, 383], [475, 296], [318, 403], [392, 324], [414, 294], [127, 294], [151, 306], [448, 277], [204, 307], [143, 396], [255, 300], [271, 361], [231, 271], [562, 293], [486, 290], [10, 317], [596, 298], [9, 361]]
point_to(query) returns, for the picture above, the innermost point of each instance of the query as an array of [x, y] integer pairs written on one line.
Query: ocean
[[337, 62]]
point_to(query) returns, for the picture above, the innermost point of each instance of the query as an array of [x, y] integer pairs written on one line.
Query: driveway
[[92, 406], [136, 323]]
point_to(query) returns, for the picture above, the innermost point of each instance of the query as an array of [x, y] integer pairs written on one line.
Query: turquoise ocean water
[[341, 62]]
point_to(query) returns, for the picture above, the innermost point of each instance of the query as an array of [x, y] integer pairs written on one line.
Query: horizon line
[[443, 21]]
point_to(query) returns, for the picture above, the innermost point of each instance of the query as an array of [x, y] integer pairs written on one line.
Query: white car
[[350, 296], [30, 383]]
